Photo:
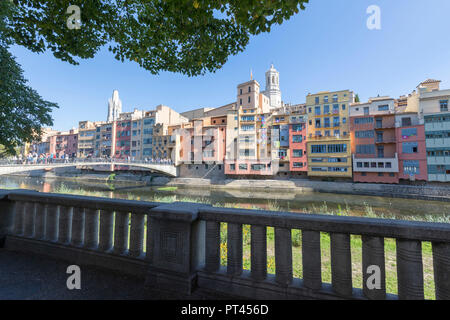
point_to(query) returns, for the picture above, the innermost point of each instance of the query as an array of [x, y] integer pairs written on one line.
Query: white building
[[273, 91], [114, 107]]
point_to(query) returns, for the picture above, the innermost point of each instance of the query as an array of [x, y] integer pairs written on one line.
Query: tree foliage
[[185, 36], [22, 110]]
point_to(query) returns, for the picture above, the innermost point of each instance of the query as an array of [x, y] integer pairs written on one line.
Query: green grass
[[167, 189]]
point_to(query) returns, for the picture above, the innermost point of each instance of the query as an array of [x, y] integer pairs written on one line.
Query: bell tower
[[273, 87]]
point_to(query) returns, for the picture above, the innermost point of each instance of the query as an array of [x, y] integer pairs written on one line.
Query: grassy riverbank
[[356, 244]]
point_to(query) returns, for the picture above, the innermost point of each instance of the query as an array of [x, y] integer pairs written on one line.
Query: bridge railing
[[177, 246], [81, 161]]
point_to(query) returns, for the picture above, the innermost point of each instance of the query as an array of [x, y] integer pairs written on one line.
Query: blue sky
[[325, 47]]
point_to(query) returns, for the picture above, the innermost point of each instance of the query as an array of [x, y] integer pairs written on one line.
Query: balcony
[[385, 141], [173, 250], [379, 164]]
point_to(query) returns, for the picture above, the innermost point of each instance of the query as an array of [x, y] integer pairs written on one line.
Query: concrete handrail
[[177, 245]]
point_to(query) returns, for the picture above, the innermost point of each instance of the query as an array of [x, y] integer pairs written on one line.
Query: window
[[359, 164], [411, 167], [343, 107], [335, 108], [409, 132], [364, 120], [337, 148], [406, 122], [232, 167], [249, 89], [335, 98], [332, 160], [317, 100], [337, 169], [320, 148], [365, 149], [325, 99], [297, 165], [317, 123], [243, 167], [149, 121], [249, 99], [247, 152], [297, 153], [297, 128], [317, 111], [326, 122], [258, 167], [409, 147], [364, 134], [297, 138], [444, 105], [248, 118], [326, 109], [336, 121], [248, 127], [384, 107]]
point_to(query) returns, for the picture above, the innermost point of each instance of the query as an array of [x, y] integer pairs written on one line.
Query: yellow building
[[328, 134]]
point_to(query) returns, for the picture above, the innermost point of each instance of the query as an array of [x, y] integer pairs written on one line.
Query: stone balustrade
[[176, 246]]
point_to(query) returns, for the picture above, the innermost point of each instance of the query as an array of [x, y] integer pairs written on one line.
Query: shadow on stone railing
[[176, 246]]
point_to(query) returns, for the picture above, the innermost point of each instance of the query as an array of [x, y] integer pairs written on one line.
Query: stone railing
[[176, 246]]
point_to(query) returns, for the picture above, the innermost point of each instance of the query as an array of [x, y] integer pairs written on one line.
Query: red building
[[373, 140], [297, 143], [64, 144], [123, 139], [411, 147]]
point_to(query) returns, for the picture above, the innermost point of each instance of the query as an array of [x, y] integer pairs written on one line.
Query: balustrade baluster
[[78, 222], [91, 228], [234, 255], [106, 230], [29, 219], [341, 264], [121, 232], [311, 260], [41, 218], [373, 255], [258, 252], [136, 234], [441, 266], [65, 225], [283, 256], [212, 250], [51, 224], [19, 209], [409, 269]]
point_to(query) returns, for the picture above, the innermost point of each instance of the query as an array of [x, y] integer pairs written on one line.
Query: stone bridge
[[13, 167]]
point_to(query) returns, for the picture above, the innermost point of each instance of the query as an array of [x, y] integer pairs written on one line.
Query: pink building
[[411, 147], [297, 144], [202, 141], [123, 139], [64, 144], [373, 141]]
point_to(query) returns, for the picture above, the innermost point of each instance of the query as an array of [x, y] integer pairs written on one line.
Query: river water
[[312, 202]]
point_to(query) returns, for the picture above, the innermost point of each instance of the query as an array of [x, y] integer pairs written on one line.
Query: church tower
[[273, 87], [114, 107]]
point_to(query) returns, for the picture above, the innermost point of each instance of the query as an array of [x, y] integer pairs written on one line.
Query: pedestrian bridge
[[9, 167]]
